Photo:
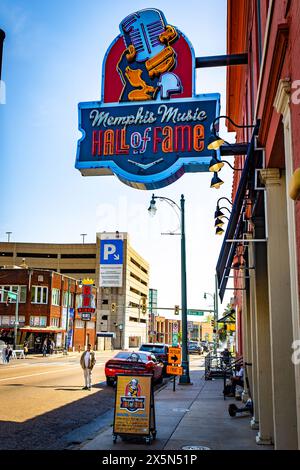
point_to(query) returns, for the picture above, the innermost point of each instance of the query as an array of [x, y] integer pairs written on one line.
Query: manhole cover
[[195, 448]]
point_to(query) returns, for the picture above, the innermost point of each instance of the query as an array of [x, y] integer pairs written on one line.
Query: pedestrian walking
[[8, 353], [51, 347], [25, 348], [87, 362], [4, 352], [44, 348]]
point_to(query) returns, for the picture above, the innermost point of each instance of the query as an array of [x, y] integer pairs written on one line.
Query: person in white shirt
[[237, 379], [87, 362]]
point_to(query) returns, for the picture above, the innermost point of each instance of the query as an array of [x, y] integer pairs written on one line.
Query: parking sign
[[111, 252]]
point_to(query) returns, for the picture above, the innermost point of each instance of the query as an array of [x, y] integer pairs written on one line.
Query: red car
[[137, 363]]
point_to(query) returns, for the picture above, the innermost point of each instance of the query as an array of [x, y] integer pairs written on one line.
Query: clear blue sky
[[53, 56]]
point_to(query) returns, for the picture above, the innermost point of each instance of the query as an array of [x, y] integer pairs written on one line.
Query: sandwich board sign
[[134, 413], [149, 127]]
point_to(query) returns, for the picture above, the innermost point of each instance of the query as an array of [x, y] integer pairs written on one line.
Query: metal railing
[[218, 367]]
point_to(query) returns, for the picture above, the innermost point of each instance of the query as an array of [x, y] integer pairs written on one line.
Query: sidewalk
[[193, 415]]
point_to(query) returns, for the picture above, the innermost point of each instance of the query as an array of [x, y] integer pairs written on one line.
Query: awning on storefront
[[33, 329], [236, 223]]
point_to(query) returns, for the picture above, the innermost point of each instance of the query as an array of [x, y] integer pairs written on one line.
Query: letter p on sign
[[108, 250]]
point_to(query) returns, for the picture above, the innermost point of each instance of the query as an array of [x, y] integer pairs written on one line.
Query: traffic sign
[[174, 339], [174, 356], [199, 313], [174, 370], [175, 328], [12, 295]]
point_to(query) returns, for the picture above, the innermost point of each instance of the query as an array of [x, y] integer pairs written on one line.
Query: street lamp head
[[152, 208]]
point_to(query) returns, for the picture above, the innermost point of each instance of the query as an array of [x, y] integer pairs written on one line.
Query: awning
[[228, 318], [33, 329], [236, 222]]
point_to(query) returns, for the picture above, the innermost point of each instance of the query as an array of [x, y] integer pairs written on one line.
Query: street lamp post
[[215, 297], [185, 377]]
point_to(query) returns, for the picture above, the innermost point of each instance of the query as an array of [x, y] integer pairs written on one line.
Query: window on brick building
[[39, 295], [38, 321], [68, 299], [54, 321], [55, 296], [14, 288]]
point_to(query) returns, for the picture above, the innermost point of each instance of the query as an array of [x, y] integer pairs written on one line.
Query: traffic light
[[144, 307], [212, 323], [113, 307], [176, 310]]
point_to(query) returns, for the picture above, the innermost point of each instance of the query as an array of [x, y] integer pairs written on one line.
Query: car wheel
[[110, 381]]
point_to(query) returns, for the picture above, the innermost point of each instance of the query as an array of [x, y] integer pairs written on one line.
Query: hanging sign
[[88, 301], [149, 127]]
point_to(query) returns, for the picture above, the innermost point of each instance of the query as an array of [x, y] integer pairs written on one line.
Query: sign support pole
[[185, 378]]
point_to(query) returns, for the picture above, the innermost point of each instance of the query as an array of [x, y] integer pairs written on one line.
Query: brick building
[[47, 309], [125, 325], [265, 221]]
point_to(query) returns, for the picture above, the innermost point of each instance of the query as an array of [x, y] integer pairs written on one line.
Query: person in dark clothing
[[8, 353], [226, 356]]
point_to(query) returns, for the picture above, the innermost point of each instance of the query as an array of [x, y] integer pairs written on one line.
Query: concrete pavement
[[193, 415]]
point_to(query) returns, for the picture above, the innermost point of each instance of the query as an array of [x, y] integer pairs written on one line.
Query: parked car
[[194, 347], [160, 350], [137, 363]]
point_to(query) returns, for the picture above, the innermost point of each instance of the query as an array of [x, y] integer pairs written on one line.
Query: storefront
[[37, 336]]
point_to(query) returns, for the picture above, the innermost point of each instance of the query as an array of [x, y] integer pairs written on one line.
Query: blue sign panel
[[150, 145], [111, 252]]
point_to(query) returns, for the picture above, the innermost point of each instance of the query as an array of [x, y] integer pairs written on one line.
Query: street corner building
[[51, 276], [46, 310], [262, 241]]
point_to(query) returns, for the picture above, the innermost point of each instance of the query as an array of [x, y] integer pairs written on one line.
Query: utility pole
[[2, 37]]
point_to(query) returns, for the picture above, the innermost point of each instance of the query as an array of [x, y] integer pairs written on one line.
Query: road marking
[[32, 375]]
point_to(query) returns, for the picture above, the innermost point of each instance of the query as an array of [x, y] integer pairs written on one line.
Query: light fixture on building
[[215, 141], [218, 212], [216, 165], [219, 222], [219, 231], [216, 182]]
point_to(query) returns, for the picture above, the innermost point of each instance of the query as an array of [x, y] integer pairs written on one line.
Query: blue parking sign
[[111, 252]]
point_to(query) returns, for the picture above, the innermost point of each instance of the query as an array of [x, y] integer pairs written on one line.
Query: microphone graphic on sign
[[148, 55]]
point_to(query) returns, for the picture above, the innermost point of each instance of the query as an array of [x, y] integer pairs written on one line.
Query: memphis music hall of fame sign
[[149, 127]]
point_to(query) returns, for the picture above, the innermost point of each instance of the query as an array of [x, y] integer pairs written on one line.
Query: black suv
[[159, 350]]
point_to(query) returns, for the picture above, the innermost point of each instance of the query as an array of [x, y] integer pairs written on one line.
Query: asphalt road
[[43, 404], [42, 400]]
